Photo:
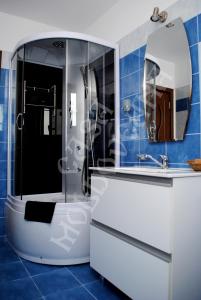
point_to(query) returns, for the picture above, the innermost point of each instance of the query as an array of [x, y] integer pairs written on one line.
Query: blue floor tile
[[36, 269], [78, 293], [84, 273], [12, 271], [104, 290], [7, 255], [22, 289], [55, 281]]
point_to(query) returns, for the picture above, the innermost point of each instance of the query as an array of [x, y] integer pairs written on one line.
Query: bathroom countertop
[[154, 172]]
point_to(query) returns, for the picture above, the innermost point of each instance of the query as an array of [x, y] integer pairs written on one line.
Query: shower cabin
[[61, 123]]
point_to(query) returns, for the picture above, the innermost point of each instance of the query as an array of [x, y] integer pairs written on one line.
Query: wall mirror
[[167, 83]]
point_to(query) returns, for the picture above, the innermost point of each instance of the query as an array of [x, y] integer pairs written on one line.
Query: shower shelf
[[39, 88], [36, 105]]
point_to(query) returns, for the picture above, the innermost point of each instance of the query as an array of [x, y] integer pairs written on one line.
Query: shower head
[[159, 16], [58, 44]]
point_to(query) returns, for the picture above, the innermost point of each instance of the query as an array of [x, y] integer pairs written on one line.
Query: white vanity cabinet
[[146, 234]]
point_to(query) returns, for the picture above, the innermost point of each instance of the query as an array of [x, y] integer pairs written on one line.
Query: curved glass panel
[[16, 123], [62, 117]]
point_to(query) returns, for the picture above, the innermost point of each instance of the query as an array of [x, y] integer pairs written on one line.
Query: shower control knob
[[78, 148], [79, 169]]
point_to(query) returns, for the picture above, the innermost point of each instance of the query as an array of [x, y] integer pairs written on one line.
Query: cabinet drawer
[[140, 275], [140, 210]]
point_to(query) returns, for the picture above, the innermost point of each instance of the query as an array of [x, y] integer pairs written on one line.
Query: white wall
[[13, 29], [185, 9], [124, 17]]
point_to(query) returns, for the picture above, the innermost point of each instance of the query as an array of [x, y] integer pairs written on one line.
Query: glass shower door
[[44, 65], [102, 90], [16, 124], [76, 98]]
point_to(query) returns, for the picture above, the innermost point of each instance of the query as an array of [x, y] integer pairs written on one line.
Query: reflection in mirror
[[167, 83]]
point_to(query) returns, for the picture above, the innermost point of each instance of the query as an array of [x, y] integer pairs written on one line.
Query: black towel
[[39, 211]]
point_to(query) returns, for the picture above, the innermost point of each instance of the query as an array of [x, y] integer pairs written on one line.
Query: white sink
[[152, 170]]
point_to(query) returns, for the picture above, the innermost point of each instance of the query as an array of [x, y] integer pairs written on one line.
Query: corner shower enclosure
[[61, 122]]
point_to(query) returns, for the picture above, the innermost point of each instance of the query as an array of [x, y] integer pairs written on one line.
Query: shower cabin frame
[[67, 36], [51, 243]]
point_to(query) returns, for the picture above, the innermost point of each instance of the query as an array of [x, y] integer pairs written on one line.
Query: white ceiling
[[71, 15], [107, 19], [124, 17]]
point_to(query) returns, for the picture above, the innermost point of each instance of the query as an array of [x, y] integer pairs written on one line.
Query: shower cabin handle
[[70, 117], [84, 184], [20, 121]]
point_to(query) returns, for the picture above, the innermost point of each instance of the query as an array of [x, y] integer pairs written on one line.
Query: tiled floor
[[24, 280]]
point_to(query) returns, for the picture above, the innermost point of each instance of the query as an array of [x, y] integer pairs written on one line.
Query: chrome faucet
[[164, 159]]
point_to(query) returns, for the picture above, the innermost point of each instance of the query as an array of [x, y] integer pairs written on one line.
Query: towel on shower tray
[[39, 211]]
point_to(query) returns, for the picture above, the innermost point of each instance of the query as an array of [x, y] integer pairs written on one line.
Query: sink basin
[[149, 171], [153, 170]]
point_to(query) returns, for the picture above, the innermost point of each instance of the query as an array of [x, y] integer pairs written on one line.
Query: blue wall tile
[[142, 55], [175, 165], [142, 128], [181, 152], [129, 129], [194, 120], [155, 149], [4, 93], [129, 151], [134, 100], [134, 112], [199, 27], [129, 63], [3, 188], [192, 31], [2, 203], [141, 72], [195, 89], [194, 59], [3, 169], [2, 226], [3, 151], [4, 77], [3, 134], [130, 85]]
